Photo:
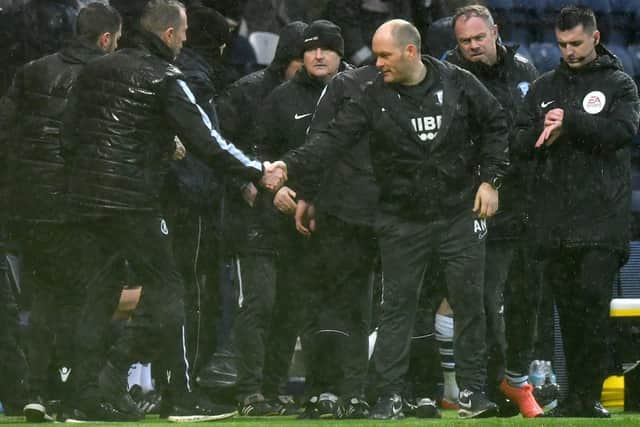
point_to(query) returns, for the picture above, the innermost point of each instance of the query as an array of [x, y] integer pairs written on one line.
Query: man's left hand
[[552, 127], [486, 203]]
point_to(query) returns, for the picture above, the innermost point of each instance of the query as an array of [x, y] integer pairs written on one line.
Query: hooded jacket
[[39, 94], [119, 131], [509, 81], [582, 183], [417, 181]]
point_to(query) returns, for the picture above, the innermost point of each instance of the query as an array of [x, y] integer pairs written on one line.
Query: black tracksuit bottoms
[[582, 280], [51, 255], [511, 303], [157, 326], [411, 249]]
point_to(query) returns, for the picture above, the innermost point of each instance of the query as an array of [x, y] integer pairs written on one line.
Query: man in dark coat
[[132, 105], [432, 126], [510, 286], [577, 123], [36, 183]]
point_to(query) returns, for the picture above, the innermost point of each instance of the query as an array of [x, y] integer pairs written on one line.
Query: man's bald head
[[403, 32], [396, 44]]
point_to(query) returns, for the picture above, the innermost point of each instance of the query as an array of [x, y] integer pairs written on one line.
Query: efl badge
[[594, 102], [524, 88]]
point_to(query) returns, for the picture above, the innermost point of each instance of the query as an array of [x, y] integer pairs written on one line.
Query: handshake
[[274, 175]]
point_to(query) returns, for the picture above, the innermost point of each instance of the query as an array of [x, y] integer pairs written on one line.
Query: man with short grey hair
[[510, 284], [132, 104]]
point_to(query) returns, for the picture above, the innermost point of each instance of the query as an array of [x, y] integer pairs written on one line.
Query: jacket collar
[[80, 52], [151, 43], [482, 70]]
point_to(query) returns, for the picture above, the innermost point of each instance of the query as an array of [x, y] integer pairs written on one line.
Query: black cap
[[323, 34], [290, 43]]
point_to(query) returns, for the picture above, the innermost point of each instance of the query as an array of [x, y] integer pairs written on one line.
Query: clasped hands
[[274, 175]]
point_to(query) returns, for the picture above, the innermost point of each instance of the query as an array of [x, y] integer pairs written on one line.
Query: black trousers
[[157, 326], [511, 304], [409, 250], [196, 247], [582, 279], [14, 369], [51, 253], [270, 265], [338, 308]]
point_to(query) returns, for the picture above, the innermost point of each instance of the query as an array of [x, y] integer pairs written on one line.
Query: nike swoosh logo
[[546, 104], [301, 116]]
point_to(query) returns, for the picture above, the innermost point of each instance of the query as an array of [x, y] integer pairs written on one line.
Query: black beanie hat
[[289, 43], [323, 34], [207, 27]]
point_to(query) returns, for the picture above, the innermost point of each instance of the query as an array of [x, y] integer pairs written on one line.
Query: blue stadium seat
[[602, 10], [501, 11], [625, 17], [634, 53], [500, 4], [523, 50], [623, 55], [635, 201], [546, 56], [598, 6]]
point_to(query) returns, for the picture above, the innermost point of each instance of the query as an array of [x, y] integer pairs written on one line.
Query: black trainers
[[475, 404], [285, 405], [194, 408], [547, 395], [255, 405], [310, 409], [426, 408], [36, 411], [327, 404], [97, 412], [149, 402], [574, 408], [219, 372], [352, 408], [387, 407]]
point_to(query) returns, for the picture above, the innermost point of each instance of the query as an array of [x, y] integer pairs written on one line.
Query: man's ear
[[411, 50], [167, 35], [104, 40], [596, 37]]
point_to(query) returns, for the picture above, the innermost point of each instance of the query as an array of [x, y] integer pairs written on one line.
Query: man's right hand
[[274, 175], [305, 218]]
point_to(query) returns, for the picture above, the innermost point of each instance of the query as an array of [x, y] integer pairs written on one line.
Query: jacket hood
[[605, 59]]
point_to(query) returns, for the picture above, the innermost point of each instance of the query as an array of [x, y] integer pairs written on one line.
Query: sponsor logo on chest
[[427, 127], [594, 102]]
